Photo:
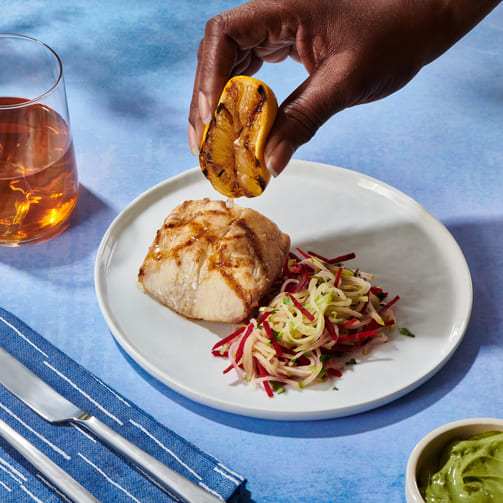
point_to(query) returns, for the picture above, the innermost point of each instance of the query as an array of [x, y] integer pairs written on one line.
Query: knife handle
[[66, 484], [175, 483]]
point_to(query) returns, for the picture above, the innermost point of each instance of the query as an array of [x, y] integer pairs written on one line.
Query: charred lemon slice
[[232, 150]]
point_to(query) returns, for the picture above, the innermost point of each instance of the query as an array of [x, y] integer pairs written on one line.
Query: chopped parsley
[[287, 300], [277, 335], [406, 331], [277, 387]]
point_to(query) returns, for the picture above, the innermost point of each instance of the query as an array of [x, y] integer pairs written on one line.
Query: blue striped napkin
[[107, 476]]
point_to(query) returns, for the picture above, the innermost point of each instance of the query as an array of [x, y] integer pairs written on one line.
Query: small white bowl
[[428, 451]]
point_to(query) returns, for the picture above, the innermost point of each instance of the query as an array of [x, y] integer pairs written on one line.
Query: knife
[[66, 484], [55, 408]]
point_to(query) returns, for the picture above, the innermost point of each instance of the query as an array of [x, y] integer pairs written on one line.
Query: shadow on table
[[88, 223], [479, 242]]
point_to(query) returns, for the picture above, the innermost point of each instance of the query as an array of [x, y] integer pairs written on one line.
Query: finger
[[274, 53], [195, 128], [229, 35], [247, 66], [325, 92], [218, 59], [237, 42]]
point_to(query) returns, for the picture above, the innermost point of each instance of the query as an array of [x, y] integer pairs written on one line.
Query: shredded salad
[[322, 310]]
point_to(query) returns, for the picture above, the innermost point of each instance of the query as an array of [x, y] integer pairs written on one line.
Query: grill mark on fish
[[232, 243], [225, 266]]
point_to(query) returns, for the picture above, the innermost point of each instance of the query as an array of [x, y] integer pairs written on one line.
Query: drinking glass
[[38, 174]]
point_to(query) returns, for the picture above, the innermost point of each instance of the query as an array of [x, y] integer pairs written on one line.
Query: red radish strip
[[388, 305], [262, 317], [321, 257], [358, 335], [218, 353], [274, 342], [266, 384], [277, 348], [342, 258], [292, 255], [229, 338], [336, 260], [373, 324], [295, 269], [302, 309], [358, 343], [338, 277], [375, 290], [330, 328], [304, 254], [349, 323], [334, 372], [286, 271], [303, 282], [239, 352], [303, 360]]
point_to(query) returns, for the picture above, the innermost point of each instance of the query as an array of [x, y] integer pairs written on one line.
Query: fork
[[64, 482]]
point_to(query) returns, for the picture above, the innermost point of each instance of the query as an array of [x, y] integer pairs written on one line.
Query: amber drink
[[38, 174]]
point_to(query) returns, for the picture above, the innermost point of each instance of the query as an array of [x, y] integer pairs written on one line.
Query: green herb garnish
[[277, 387], [277, 335], [287, 300], [406, 331]]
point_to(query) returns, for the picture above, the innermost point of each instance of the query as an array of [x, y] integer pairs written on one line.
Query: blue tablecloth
[[107, 476]]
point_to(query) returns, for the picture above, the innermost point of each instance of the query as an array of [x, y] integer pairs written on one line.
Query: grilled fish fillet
[[213, 263]]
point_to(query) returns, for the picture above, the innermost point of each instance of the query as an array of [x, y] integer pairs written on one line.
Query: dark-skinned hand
[[355, 52]]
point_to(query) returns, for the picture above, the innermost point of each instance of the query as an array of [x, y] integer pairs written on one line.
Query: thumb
[[301, 115]]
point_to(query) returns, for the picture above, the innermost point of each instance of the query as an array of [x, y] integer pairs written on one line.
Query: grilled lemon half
[[232, 150]]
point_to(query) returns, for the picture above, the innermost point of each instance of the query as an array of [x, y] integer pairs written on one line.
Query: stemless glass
[[38, 174]]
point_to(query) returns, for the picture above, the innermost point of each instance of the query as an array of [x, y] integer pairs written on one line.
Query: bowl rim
[[449, 430]]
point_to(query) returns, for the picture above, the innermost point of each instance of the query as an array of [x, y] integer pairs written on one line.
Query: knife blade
[[55, 408], [64, 482]]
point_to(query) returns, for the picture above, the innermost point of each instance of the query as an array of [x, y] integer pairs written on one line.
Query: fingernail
[[278, 157], [191, 133], [204, 108], [270, 167]]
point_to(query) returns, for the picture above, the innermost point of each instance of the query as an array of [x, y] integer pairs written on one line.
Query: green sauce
[[471, 472]]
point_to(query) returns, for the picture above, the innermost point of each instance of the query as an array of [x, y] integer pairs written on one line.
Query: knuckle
[[200, 49], [216, 26], [193, 110], [305, 121]]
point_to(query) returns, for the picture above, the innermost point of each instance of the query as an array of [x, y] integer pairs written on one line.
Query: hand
[[355, 51]]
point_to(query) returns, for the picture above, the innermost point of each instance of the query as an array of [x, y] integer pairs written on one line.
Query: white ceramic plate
[[323, 208]]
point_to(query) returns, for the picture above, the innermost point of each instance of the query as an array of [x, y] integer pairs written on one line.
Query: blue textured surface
[[107, 476], [129, 68]]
